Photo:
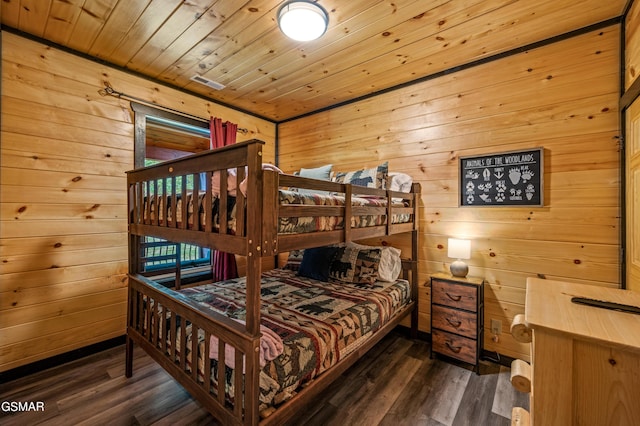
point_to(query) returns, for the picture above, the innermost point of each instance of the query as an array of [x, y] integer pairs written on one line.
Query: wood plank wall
[[632, 45], [632, 72], [63, 243], [563, 97]]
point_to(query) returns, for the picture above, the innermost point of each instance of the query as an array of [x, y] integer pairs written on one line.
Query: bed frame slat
[[222, 203], [174, 218], [183, 344], [155, 324], [206, 383], [195, 364], [222, 381], [165, 330], [164, 203], [184, 204], [208, 208], [174, 336], [196, 202], [238, 396], [240, 205]]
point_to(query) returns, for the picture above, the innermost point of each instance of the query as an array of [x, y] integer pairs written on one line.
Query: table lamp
[[459, 249]]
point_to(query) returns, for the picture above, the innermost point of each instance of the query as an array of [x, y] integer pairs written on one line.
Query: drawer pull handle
[[454, 323], [454, 298], [455, 349]]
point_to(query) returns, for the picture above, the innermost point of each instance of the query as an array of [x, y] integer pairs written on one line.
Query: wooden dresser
[[457, 317], [585, 367]]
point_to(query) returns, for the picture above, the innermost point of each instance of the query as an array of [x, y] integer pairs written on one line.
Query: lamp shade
[[459, 249], [302, 20]]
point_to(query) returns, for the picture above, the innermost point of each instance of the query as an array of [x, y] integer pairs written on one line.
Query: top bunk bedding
[[262, 211], [154, 211]]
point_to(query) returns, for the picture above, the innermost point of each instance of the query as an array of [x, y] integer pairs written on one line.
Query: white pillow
[[321, 173], [390, 264], [400, 182]]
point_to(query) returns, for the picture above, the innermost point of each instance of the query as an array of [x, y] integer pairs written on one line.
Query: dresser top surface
[[548, 306], [466, 280]]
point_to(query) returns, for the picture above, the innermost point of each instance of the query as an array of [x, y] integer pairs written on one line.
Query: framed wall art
[[504, 179]]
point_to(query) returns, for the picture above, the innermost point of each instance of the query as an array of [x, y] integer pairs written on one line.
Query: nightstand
[[457, 317]]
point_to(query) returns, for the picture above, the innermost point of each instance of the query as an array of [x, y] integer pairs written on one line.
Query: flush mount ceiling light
[[302, 20]]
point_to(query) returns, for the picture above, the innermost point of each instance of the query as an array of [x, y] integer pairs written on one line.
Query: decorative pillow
[[294, 260], [354, 264], [390, 264], [390, 261], [316, 262], [375, 177], [322, 172], [400, 182]]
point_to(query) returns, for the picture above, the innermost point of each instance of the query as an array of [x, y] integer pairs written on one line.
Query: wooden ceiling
[[370, 45]]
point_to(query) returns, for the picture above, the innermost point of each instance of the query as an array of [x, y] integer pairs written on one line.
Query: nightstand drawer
[[454, 346], [454, 321], [454, 295]]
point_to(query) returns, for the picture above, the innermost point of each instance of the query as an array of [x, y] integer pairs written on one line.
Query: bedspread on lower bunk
[[319, 323], [287, 225]]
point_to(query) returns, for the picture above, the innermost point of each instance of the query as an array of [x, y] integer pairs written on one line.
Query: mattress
[[319, 324]]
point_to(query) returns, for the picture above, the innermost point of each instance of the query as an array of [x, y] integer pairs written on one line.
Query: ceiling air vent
[[203, 80]]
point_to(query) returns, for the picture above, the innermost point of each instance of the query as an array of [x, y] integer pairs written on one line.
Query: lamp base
[[459, 269]]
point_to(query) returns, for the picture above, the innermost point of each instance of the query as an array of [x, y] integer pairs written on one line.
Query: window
[[162, 136]]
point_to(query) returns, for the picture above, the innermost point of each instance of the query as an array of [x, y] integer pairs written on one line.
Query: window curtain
[[224, 264]]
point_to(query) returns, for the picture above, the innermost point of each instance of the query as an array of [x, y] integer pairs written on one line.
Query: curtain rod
[[110, 91]]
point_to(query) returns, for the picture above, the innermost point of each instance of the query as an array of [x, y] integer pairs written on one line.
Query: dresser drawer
[[454, 321], [457, 347], [454, 295]]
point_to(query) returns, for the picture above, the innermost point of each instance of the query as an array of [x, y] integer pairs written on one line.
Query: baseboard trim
[[54, 361], [496, 357]]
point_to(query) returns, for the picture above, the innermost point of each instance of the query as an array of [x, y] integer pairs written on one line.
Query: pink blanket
[[270, 347]]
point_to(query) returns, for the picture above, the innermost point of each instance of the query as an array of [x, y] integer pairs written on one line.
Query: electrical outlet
[[496, 326]]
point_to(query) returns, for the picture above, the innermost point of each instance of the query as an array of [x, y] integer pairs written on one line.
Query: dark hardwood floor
[[396, 383]]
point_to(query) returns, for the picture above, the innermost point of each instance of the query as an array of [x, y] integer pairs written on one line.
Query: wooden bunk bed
[[162, 320]]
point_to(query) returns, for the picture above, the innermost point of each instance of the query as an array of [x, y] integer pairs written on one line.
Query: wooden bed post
[[416, 189], [414, 283], [128, 363], [254, 235], [134, 268], [270, 205], [254, 274], [347, 213]]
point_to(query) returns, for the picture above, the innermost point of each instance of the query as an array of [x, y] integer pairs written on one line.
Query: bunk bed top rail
[[230, 156], [159, 199]]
